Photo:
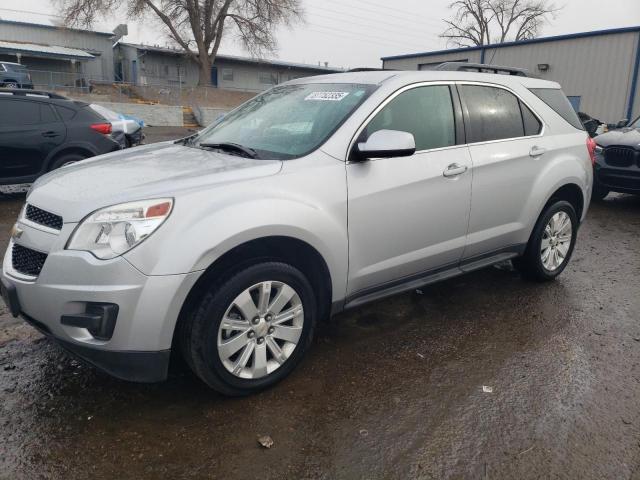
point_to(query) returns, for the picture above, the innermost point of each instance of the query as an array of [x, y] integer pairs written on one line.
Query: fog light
[[99, 319]]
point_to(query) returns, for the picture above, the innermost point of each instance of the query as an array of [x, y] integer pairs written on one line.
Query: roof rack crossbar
[[482, 68], [27, 91]]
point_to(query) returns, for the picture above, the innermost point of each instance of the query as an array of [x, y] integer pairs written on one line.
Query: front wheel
[[551, 244], [251, 329]]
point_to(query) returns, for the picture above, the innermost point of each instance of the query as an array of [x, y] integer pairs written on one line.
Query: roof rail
[[366, 69], [25, 92], [482, 68]]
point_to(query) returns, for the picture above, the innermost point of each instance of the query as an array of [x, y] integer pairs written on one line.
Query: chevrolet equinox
[[319, 195]]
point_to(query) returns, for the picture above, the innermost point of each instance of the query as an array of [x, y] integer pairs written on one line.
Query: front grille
[[42, 217], [622, 157], [27, 261]]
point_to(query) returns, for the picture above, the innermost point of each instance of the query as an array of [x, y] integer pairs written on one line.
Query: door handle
[[537, 151], [454, 170], [50, 134]]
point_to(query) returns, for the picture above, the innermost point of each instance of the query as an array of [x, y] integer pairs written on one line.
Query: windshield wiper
[[232, 147]]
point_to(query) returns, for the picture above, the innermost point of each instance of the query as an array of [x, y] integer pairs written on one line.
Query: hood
[[628, 137], [161, 169]]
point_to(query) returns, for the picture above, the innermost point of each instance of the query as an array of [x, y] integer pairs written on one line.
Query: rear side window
[[494, 114], [558, 101], [532, 125], [65, 113], [20, 112], [425, 112]]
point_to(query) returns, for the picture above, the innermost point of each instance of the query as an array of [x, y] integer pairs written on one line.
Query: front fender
[[207, 224]]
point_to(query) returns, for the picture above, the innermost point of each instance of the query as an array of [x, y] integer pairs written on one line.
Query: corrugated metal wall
[[598, 69], [101, 66]]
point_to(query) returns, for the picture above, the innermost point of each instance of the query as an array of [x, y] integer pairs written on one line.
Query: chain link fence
[[154, 90]]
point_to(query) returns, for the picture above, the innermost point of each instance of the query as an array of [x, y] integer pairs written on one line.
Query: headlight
[[599, 150], [112, 231]]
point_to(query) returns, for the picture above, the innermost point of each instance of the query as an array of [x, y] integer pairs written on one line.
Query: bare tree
[[481, 22], [199, 23]]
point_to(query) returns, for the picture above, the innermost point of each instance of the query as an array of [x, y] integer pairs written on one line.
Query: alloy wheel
[[556, 241], [260, 329]]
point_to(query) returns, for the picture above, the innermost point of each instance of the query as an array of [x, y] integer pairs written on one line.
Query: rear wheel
[[251, 329], [551, 244], [11, 84], [67, 159]]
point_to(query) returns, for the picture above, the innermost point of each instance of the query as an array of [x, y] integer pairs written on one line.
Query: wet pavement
[[391, 390]]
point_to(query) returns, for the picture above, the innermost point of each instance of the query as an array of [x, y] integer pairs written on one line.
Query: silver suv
[[316, 196]]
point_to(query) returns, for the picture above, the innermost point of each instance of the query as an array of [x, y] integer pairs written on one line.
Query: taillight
[[591, 147], [104, 128]]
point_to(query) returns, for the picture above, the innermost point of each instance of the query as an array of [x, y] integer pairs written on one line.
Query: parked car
[[41, 131], [14, 75], [125, 130], [319, 195], [617, 167]]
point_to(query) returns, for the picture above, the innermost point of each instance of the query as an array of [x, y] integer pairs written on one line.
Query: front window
[[288, 121]]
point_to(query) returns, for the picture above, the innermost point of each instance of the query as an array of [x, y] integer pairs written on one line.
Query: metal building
[[152, 65], [54, 54], [598, 70]]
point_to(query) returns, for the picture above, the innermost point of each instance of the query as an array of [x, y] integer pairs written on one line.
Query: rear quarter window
[[494, 114], [558, 101]]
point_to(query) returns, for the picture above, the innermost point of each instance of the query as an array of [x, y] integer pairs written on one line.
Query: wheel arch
[[65, 150], [293, 251], [571, 193]]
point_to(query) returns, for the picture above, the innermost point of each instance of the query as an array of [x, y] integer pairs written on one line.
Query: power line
[[416, 36], [368, 39], [407, 17], [364, 37]]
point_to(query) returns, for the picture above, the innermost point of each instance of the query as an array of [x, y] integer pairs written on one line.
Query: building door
[[575, 102], [214, 76], [134, 72]]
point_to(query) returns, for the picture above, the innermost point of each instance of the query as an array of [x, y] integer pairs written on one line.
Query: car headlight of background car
[[112, 231]]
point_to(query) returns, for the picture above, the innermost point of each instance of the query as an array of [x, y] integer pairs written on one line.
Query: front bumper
[[148, 306], [617, 178]]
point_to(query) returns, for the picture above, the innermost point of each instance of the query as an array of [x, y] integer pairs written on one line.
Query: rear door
[[29, 131], [408, 216], [508, 151]]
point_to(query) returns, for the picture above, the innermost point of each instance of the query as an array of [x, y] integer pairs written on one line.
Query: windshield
[[287, 121], [636, 123]]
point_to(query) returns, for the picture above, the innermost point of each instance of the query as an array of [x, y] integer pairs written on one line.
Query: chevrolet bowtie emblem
[[16, 232]]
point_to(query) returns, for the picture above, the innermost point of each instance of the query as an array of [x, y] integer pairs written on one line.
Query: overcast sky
[[358, 32]]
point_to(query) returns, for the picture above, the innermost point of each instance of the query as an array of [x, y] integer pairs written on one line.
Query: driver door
[[408, 216]]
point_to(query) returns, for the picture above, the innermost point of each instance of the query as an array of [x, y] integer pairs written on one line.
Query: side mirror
[[386, 144], [622, 123]]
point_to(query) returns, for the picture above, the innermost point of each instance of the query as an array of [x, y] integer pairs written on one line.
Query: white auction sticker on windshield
[[326, 96]]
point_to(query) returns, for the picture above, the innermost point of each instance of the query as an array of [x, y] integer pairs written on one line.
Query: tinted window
[[494, 114], [532, 125], [46, 114], [558, 101], [65, 113], [426, 112], [18, 112]]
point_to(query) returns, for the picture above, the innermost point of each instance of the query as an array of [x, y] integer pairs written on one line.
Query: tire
[[66, 159], [598, 193], [531, 265], [204, 341], [11, 85]]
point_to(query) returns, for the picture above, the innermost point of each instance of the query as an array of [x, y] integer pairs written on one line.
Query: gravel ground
[[482, 376]]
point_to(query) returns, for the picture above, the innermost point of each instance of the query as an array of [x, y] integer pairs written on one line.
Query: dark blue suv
[[14, 75]]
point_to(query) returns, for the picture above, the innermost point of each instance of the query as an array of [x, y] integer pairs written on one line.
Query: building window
[[268, 78], [227, 74], [166, 70]]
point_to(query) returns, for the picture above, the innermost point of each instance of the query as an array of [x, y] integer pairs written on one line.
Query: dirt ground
[[482, 376]]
